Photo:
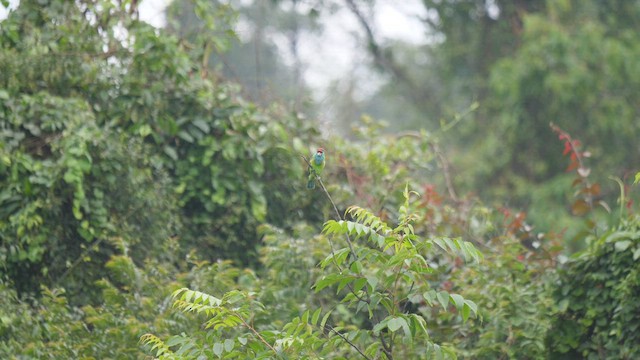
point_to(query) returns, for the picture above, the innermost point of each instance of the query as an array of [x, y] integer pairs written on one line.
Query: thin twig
[[386, 348], [78, 261], [335, 208], [253, 330], [353, 252], [333, 253], [348, 341], [446, 171], [351, 249], [404, 308]]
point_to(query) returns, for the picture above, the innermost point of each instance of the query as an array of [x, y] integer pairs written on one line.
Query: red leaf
[[567, 148], [593, 190]]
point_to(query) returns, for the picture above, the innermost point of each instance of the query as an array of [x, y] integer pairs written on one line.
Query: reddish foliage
[[587, 191]]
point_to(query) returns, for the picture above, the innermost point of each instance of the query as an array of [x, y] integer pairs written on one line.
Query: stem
[[353, 252], [588, 196], [78, 261], [385, 347], [404, 308], [253, 330], [335, 208], [348, 342], [446, 171]]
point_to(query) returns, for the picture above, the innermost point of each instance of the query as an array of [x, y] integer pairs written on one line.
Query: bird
[[317, 164]]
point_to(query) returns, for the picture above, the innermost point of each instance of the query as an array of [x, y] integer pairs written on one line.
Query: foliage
[[129, 170], [597, 316], [61, 195], [49, 327], [378, 274], [570, 70], [87, 147], [512, 288]]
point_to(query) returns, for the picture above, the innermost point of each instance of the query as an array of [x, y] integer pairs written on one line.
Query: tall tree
[[256, 57]]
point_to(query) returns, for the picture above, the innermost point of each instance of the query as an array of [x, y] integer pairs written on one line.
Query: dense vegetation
[[148, 210]]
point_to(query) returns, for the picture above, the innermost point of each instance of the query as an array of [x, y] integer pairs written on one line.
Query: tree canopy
[[153, 204]]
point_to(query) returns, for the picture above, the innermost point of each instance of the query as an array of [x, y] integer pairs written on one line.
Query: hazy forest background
[[479, 199]]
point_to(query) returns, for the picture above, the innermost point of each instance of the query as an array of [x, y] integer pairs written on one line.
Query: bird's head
[[320, 151]]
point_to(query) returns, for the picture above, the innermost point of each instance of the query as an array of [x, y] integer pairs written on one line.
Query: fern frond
[[366, 217], [185, 306], [457, 246], [188, 300], [196, 297], [162, 351]]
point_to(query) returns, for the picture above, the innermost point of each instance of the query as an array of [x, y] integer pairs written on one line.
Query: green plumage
[[317, 165]]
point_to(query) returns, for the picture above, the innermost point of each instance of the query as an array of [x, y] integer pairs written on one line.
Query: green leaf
[[171, 152], [419, 323], [228, 345], [458, 300], [324, 319], [186, 136], [359, 284], [145, 130], [259, 207], [373, 282], [316, 316], [430, 296], [356, 267], [218, 348], [176, 340], [622, 245], [443, 298], [327, 280], [472, 305], [466, 311], [202, 125], [396, 323]]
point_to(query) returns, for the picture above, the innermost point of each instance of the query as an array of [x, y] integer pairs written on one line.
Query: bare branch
[[384, 61]]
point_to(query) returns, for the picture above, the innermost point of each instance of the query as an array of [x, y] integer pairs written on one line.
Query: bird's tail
[[311, 184]]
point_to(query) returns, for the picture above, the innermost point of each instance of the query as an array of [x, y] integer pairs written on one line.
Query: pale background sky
[[327, 57]]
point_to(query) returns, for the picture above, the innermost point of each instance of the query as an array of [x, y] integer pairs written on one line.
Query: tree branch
[[386, 62], [335, 208], [253, 330], [348, 341]]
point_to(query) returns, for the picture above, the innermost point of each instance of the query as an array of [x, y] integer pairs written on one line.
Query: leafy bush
[[130, 144], [598, 315], [377, 275]]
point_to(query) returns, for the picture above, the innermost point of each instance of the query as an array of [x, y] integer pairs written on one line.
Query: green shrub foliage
[[598, 313], [372, 278], [147, 209], [103, 136]]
